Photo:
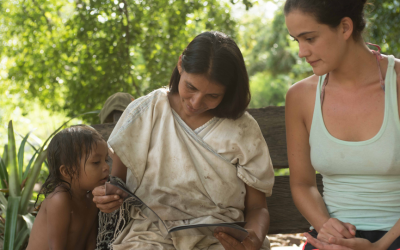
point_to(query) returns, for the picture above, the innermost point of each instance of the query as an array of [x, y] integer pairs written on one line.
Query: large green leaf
[[3, 173], [14, 183], [30, 182], [25, 175], [3, 168], [21, 153], [29, 219], [22, 236], [11, 222]]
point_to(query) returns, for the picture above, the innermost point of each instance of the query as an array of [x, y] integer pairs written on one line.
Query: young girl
[[344, 123], [67, 218]]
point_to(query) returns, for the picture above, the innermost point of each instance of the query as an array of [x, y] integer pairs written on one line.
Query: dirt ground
[[286, 241]]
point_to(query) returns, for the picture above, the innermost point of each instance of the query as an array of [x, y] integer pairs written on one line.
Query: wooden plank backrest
[[285, 218]]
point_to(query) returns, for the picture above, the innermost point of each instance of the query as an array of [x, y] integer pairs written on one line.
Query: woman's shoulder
[[156, 96], [302, 94]]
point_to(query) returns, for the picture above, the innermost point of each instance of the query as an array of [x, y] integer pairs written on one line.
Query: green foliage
[[383, 26], [72, 55]]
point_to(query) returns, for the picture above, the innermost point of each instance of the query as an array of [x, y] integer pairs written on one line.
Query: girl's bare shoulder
[[303, 91]]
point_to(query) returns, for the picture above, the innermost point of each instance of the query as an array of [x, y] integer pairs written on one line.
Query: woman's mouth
[[313, 63]]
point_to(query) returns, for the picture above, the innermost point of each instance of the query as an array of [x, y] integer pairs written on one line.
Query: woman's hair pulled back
[[218, 57], [331, 12]]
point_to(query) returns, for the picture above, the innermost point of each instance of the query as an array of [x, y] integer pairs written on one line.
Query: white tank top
[[361, 179]]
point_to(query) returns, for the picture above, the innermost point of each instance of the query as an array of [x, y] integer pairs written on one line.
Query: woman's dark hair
[[68, 147], [217, 56], [331, 12]]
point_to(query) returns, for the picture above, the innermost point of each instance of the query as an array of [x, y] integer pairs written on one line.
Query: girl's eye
[[96, 162]]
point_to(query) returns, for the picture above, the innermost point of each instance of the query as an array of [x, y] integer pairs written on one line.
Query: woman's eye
[[214, 96], [310, 39]]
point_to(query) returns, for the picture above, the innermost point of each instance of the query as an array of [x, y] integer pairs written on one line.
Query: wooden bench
[[285, 218]]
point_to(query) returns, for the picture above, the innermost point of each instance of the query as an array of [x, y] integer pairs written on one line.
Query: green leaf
[[3, 170], [21, 153], [28, 167], [23, 235], [14, 184], [3, 173], [29, 219], [30, 182], [11, 222], [3, 200]]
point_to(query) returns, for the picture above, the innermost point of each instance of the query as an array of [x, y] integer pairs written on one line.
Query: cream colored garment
[[185, 177]]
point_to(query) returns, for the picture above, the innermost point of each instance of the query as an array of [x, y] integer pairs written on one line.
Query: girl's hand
[[335, 228], [106, 203], [251, 242], [343, 244]]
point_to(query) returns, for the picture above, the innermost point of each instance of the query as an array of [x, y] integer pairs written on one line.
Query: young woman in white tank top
[[344, 123]]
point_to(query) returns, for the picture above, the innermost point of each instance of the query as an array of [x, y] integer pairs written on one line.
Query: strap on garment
[[378, 56]]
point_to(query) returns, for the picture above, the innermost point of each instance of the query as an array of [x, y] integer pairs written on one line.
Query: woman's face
[[321, 46], [198, 94]]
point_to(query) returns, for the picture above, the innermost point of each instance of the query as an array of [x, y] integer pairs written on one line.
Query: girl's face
[[96, 170], [198, 94], [322, 46]]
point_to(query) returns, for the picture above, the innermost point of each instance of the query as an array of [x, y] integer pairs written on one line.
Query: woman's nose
[[196, 101], [303, 50]]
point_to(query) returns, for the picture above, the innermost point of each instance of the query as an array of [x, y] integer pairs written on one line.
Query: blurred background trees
[[60, 58]]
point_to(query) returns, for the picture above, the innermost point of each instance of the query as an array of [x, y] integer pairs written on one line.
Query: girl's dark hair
[[331, 12], [217, 56], [68, 147]]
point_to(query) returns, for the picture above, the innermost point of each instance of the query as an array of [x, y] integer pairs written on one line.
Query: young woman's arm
[[58, 208], [357, 243], [257, 217], [303, 184], [110, 203]]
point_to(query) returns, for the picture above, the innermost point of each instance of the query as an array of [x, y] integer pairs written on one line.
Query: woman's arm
[[303, 184], [257, 217], [110, 203], [358, 243]]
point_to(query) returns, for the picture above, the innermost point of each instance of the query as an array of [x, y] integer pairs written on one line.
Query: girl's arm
[[58, 210], [303, 184], [358, 243], [257, 217]]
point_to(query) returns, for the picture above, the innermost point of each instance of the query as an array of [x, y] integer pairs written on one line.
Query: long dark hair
[[331, 12], [68, 147], [217, 56]]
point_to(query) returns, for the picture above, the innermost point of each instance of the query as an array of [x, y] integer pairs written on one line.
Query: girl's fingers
[[352, 229]]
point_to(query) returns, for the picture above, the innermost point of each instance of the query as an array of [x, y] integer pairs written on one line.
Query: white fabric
[[185, 177]]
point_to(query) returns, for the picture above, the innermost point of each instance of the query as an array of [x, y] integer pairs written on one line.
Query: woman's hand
[[106, 203], [335, 228], [343, 244], [251, 242]]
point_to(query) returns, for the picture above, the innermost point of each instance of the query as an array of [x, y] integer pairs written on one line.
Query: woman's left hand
[[342, 244], [251, 242]]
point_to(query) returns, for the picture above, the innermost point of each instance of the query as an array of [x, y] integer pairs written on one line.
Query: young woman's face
[[321, 46], [96, 170], [198, 94]]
